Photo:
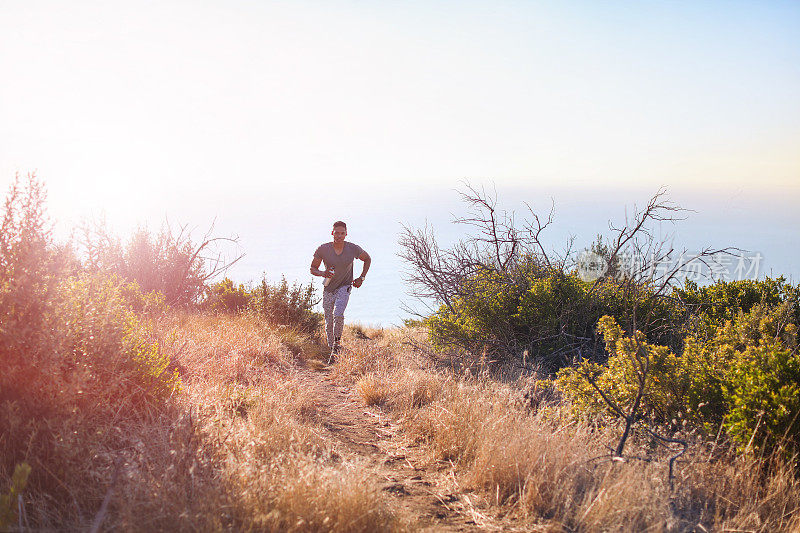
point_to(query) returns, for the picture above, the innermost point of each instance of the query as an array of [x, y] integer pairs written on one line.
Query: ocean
[[279, 238]]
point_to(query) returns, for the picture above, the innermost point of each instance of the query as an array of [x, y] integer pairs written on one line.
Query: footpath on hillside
[[425, 497]]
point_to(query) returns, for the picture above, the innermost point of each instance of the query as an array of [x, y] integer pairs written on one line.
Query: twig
[[674, 457], [101, 514], [22, 514]]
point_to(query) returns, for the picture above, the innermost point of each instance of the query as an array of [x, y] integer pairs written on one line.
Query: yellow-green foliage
[[101, 332], [746, 376], [474, 320], [713, 357], [8, 502], [226, 297], [78, 364], [722, 301], [30, 268], [287, 305], [764, 396], [151, 303], [544, 301], [93, 369], [763, 382], [666, 379]]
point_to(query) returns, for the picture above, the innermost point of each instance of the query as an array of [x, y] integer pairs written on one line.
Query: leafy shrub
[[30, 268], [147, 304], [169, 261], [94, 363], [226, 297], [764, 396], [666, 379], [550, 314], [714, 362], [714, 304], [501, 292], [101, 330], [8, 502], [286, 305], [78, 364], [747, 377], [413, 322], [762, 384]]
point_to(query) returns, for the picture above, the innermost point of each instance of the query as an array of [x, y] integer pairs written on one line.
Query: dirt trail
[[422, 495]]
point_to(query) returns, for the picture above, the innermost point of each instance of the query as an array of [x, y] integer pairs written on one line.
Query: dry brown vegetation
[[239, 447], [541, 468], [245, 446], [260, 427]]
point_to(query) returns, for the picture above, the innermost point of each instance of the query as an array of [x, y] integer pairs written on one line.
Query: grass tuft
[[371, 390]]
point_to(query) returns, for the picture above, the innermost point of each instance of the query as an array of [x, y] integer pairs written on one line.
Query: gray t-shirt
[[343, 263]]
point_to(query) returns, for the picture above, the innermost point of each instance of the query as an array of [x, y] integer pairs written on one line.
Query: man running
[[338, 257]]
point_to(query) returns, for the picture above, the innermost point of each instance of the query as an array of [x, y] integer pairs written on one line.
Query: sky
[[262, 115]]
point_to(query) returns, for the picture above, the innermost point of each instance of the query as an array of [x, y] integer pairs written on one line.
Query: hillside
[[137, 395]]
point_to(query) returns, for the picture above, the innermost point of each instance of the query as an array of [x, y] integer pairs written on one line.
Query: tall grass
[[259, 425], [544, 468], [239, 448]]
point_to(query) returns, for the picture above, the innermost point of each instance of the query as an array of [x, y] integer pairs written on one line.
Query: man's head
[[339, 231]]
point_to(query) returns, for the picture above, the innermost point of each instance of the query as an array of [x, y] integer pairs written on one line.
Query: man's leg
[[328, 299], [339, 305]]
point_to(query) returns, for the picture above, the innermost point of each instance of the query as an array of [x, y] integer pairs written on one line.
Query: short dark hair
[[340, 223]]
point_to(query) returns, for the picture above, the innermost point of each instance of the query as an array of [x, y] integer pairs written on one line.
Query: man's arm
[[315, 271], [367, 262]]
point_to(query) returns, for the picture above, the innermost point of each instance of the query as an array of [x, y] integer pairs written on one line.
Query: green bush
[[713, 305], [30, 269], [148, 304], [226, 297], [500, 292], [100, 329], [746, 377], [763, 392], [285, 305], [667, 379], [8, 502], [550, 314], [762, 384], [94, 368]]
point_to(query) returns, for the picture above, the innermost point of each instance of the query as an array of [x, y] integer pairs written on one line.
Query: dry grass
[[278, 473], [549, 471], [413, 388], [361, 358], [242, 449], [371, 390], [223, 348], [307, 495], [561, 474], [365, 332], [284, 476], [239, 449]]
